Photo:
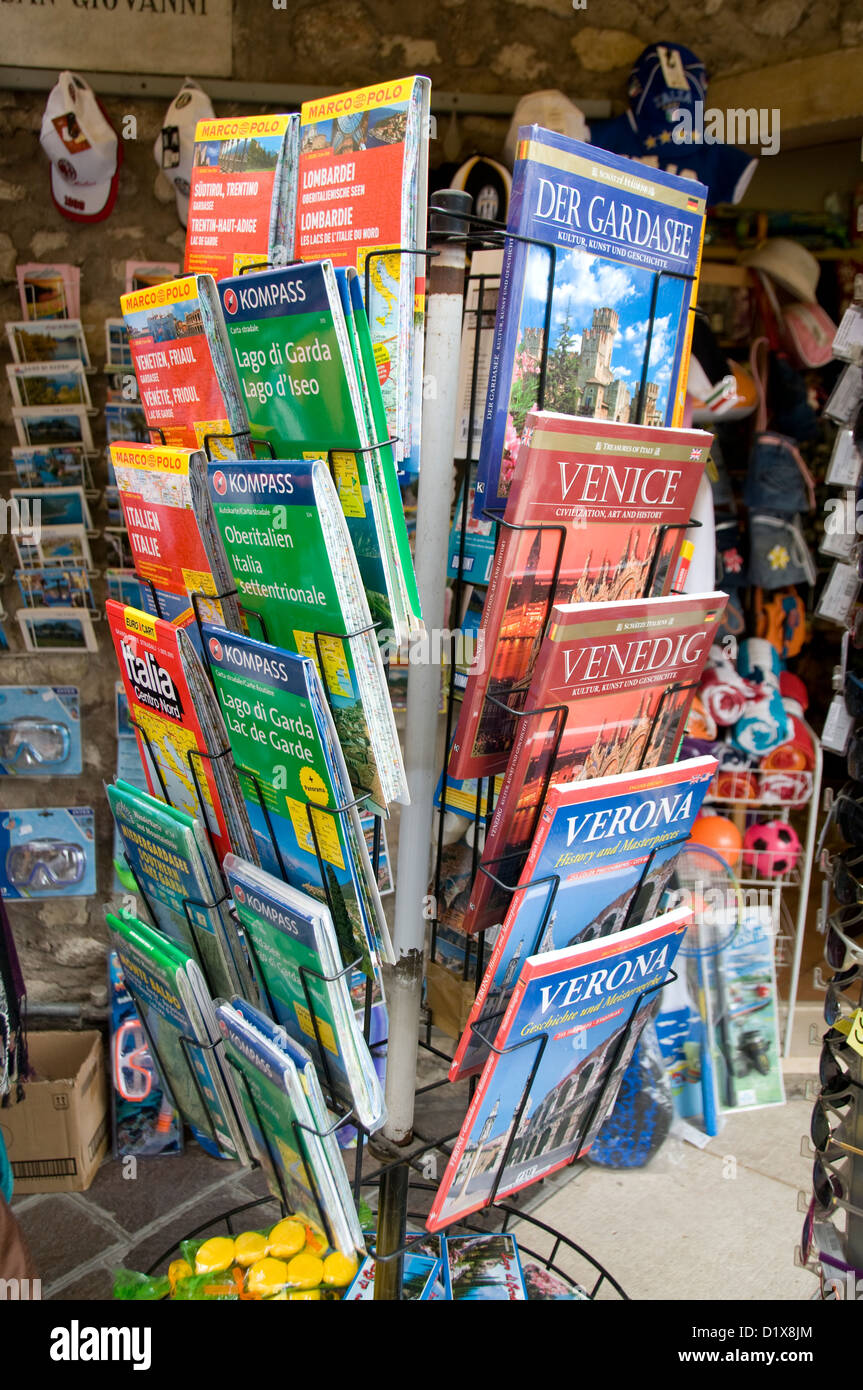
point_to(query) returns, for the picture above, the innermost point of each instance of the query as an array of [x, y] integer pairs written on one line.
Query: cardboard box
[[58, 1135], [450, 999]]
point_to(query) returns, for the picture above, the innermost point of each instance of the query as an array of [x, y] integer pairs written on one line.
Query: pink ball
[[771, 848]]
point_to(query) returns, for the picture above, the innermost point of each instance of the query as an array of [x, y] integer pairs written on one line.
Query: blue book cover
[[418, 1281], [601, 857], [627, 242], [537, 1108]]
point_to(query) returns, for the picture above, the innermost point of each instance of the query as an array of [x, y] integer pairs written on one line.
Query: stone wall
[[585, 47]]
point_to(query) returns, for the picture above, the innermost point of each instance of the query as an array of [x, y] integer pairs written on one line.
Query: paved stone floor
[[719, 1222]]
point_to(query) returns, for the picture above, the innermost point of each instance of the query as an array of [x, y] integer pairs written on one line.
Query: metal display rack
[[801, 798], [405, 1150]]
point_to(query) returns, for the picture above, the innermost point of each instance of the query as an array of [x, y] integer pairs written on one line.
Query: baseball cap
[[549, 109], [174, 150], [489, 185], [83, 148], [664, 78]]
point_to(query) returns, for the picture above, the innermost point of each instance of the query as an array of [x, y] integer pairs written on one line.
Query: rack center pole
[[440, 407]]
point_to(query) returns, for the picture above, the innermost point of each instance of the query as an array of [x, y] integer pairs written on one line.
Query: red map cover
[[180, 392], [161, 707], [623, 494], [612, 686]]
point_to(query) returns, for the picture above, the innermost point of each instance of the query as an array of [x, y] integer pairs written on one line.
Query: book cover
[[165, 536], [184, 376], [536, 1108], [483, 1268], [480, 311], [294, 779], [610, 692], [161, 852], [283, 1133], [154, 971], [292, 562], [296, 953], [363, 189], [418, 1280], [601, 858], [335, 1188], [615, 336], [242, 198], [167, 725], [305, 392], [615, 500]]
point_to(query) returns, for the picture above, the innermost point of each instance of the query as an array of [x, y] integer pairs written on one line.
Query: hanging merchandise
[[40, 731], [13, 1003], [667, 125], [47, 853], [174, 149], [145, 1122], [83, 148]]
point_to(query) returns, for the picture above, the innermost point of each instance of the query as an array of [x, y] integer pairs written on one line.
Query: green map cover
[[293, 777], [291, 559]]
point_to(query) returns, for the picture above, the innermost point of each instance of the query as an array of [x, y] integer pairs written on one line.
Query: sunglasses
[[854, 694], [837, 1002], [27, 743], [848, 806], [822, 1134], [820, 1241], [854, 756], [846, 876], [828, 1187], [831, 1073], [843, 925], [45, 864]]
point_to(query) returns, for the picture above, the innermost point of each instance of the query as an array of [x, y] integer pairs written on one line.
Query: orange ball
[[720, 834]]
